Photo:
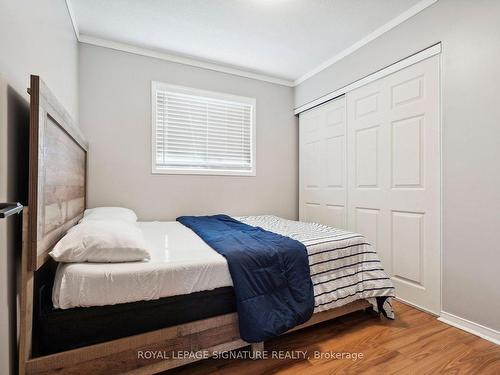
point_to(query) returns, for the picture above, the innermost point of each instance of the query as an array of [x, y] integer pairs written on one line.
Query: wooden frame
[[56, 203], [56, 194], [57, 173]]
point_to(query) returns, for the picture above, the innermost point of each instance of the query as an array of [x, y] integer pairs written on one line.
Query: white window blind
[[204, 132]]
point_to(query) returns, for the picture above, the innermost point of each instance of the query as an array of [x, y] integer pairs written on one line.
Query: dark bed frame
[[57, 199]]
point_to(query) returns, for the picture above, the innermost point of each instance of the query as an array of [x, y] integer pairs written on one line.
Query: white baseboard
[[418, 307], [471, 327]]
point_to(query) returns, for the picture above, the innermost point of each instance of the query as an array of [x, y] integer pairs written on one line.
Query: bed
[[182, 263], [93, 303], [81, 318]]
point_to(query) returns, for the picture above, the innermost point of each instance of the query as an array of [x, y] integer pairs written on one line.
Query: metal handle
[[8, 209]]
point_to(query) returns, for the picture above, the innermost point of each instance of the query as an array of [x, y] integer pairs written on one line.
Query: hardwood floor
[[414, 343]]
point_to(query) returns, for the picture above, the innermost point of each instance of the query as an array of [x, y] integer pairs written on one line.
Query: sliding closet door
[[322, 164], [394, 177]]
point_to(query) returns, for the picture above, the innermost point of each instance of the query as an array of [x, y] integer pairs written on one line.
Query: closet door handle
[[9, 209]]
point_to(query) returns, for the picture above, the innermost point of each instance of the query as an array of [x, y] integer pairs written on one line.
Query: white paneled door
[[322, 164], [393, 158]]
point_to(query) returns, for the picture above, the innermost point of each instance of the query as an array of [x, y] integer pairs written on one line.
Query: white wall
[[36, 37], [470, 34], [115, 116]]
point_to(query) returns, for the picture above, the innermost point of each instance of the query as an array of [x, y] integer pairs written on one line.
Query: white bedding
[[344, 267], [181, 263]]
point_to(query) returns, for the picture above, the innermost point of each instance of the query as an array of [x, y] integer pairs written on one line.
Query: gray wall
[[115, 115], [470, 33], [36, 37]]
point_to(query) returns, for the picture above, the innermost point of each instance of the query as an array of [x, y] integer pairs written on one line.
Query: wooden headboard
[[57, 173], [57, 195]]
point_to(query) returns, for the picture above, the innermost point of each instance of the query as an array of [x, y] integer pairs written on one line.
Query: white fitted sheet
[[181, 263]]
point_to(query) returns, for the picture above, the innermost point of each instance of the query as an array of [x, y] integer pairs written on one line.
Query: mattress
[[181, 263], [344, 268]]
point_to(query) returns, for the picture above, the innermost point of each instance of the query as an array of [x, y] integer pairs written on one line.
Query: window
[[202, 132]]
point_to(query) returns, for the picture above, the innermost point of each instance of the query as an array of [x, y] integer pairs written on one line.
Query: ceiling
[[285, 39]]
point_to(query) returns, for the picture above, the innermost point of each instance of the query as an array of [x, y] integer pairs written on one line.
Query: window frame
[[156, 85]]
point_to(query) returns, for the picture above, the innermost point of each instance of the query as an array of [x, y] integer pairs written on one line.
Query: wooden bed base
[[56, 202]]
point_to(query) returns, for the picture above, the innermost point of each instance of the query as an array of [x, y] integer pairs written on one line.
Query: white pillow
[[102, 241], [109, 213]]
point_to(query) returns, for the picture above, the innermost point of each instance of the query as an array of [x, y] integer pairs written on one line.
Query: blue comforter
[[270, 274]]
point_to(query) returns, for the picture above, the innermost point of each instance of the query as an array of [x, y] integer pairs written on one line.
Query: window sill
[[204, 172]]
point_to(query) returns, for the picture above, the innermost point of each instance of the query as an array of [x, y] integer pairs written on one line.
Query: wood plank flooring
[[415, 343]]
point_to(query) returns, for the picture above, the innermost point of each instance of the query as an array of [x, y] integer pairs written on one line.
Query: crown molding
[[82, 38], [87, 39], [179, 59], [401, 64], [71, 13], [417, 8]]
